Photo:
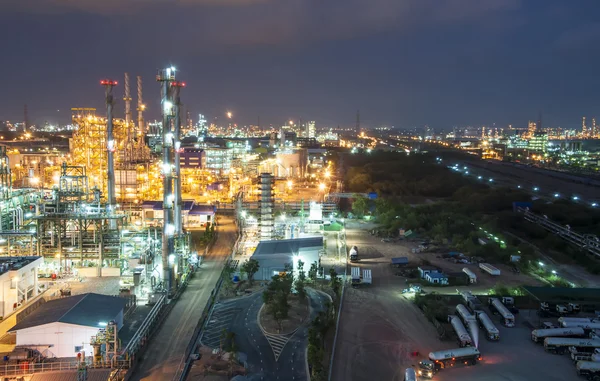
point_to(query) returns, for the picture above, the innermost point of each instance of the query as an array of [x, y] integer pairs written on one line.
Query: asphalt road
[[165, 353], [261, 351]]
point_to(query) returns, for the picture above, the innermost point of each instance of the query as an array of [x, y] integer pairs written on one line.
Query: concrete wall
[[62, 337]]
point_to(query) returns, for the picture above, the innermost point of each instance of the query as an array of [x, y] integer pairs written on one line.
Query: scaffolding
[[74, 225], [88, 149]]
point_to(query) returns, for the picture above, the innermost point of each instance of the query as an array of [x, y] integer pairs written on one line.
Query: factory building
[[273, 256], [19, 282], [64, 327]]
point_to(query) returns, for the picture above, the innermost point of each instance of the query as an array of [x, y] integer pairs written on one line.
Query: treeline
[[465, 211]]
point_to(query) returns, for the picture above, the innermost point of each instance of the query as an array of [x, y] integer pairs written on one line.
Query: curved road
[[166, 350]]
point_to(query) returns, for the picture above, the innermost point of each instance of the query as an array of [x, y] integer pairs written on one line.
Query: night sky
[[401, 62]]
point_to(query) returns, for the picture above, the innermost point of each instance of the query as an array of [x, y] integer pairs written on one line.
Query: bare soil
[[297, 315]]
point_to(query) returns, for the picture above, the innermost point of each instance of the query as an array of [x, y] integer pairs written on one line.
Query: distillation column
[[177, 143], [166, 77], [140, 109], [110, 147]]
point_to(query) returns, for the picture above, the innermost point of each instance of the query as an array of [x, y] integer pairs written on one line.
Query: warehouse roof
[[203, 210], [288, 246], [85, 309], [564, 294]]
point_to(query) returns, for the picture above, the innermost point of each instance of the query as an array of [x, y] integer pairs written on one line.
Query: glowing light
[[167, 106], [322, 187], [170, 229]]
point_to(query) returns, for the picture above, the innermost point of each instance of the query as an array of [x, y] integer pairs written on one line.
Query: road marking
[[277, 343]]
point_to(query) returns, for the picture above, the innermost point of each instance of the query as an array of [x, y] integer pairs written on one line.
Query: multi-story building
[[311, 131]]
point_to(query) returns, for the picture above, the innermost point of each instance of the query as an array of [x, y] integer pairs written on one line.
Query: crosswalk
[[219, 322], [277, 343]]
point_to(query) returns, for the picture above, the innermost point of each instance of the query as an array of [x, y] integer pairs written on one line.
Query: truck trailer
[[508, 319], [489, 269], [588, 369], [581, 324], [464, 339], [538, 335], [491, 332], [367, 278], [582, 354], [355, 272], [464, 313], [446, 359], [472, 276], [561, 345]]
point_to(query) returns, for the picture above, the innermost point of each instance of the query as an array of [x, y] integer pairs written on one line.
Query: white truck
[[472, 276], [582, 354], [491, 332], [565, 320], [464, 339], [367, 278], [587, 326], [471, 300], [355, 273], [489, 269], [508, 319], [410, 375], [560, 345], [353, 254], [447, 359], [537, 335], [588, 369], [464, 313]]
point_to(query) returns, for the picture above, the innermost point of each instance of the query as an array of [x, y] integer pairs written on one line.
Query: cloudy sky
[[401, 62]]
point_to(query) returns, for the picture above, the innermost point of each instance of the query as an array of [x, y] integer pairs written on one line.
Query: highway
[[167, 348]]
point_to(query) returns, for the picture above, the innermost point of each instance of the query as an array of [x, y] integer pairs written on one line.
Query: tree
[[277, 293], [360, 206], [335, 282], [312, 273], [250, 267], [300, 284]]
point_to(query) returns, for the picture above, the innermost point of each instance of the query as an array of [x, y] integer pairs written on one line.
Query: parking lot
[[220, 321], [380, 330]]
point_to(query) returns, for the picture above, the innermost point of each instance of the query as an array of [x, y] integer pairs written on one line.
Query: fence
[[25, 368], [184, 369]]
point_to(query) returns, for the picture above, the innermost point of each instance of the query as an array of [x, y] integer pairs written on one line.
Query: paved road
[[261, 351], [164, 355]]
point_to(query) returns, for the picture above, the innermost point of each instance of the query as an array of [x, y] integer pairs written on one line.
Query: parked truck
[[447, 359], [464, 313], [582, 354], [508, 319], [472, 276], [367, 278], [563, 320], [589, 370], [491, 332], [354, 254], [355, 272], [560, 345], [472, 302], [587, 326], [489, 269], [464, 339], [538, 335]]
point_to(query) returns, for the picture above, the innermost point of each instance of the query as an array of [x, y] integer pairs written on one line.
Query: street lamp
[[229, 114], [322, 187]]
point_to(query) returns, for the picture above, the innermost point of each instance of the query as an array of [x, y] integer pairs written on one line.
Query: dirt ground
[[296, 316], [380, 329]]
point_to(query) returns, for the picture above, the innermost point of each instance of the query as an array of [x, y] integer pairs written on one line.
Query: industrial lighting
[[594, 204], [290, 184], [166, 168], [172, 259], [554, 272], [170, 229], [556, 195], [167, 106], [536, 189], [575, 198], [541, 264], [243, 214], [322, 186], [102, 324]]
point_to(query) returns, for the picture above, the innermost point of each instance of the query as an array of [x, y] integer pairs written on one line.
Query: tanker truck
[[538, 335], [508, 319], [560, 345], [464, 339], [446, 359], [491, 332], [588, 369]]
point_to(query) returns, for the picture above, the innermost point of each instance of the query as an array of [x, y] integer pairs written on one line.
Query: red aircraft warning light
[[108, 82]]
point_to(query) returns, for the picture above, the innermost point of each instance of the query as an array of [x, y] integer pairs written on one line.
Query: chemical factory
[[120, 205]]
